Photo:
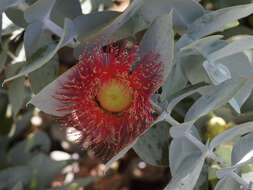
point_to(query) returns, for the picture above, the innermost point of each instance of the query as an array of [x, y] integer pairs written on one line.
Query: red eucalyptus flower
[[107, 97]]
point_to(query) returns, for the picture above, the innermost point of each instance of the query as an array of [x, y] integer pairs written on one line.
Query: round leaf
[[160, 39], [242, 150], [153, 145]]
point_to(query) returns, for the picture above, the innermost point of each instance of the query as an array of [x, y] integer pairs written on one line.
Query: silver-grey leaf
[[160, 39]]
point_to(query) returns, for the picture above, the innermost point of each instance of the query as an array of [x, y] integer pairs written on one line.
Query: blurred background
[[32, 139]]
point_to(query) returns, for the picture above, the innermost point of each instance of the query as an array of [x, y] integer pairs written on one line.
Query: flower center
[[114, 96]]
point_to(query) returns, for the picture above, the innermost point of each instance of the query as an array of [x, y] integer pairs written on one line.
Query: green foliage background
[[207, 53]]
